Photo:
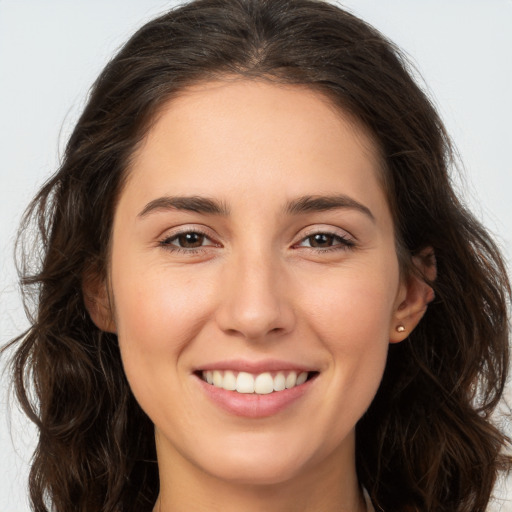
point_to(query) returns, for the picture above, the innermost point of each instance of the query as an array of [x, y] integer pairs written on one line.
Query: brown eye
[[324, 241], [321, 240], [189, 240]]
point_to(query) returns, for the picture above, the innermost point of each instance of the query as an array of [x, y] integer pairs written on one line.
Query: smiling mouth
[[259, 384]]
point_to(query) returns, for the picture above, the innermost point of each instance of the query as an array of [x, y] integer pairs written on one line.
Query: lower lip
[[252, 405]]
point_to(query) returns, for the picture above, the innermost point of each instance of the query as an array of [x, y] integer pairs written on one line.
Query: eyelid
[[173, 233], [347, 239], [344, 241], [325, 229]]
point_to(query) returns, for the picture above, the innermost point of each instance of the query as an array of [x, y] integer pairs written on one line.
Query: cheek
[[158, 315], [351, 315], [156, 310], [354, 305]]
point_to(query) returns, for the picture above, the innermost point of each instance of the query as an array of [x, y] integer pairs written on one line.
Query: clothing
[[368, 501]]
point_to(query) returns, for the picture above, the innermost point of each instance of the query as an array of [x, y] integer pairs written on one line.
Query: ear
[[414, 296], [97, 302]]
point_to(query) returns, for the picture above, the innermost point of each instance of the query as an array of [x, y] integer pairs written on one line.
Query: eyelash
[[342, 243], [166, 243]]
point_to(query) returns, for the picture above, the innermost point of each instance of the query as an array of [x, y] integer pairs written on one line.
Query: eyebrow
[[207, 206], [307, 204], [195, 204]]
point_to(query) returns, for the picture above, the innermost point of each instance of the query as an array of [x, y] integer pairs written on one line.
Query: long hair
[[427, 442]]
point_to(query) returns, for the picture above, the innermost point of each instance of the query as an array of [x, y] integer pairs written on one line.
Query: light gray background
[[51, 51]]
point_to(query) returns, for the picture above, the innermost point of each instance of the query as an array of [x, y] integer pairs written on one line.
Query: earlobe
[[98, 304], [416, 294]]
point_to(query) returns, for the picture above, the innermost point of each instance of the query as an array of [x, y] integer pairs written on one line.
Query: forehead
[[258, 135]]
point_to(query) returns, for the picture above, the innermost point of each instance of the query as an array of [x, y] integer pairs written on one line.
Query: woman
[[258, 290]]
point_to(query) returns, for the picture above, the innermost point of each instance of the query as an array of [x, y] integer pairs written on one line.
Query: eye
[[187, 241], [326, 241], [190, 240]]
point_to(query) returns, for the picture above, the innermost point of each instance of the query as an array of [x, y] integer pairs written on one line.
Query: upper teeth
[[261, 384]]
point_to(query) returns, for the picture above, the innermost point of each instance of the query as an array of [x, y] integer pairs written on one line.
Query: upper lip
[[256, 367]]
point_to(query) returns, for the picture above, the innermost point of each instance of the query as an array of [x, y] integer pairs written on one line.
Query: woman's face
[[253, 241]]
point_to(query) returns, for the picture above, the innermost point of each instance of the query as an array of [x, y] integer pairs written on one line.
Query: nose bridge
[[254, 299]]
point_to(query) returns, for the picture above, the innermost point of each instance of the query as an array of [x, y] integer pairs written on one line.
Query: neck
[[275, 498], [331, 487]]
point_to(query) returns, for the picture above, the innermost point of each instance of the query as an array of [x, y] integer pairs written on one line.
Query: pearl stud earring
[[400, 328]]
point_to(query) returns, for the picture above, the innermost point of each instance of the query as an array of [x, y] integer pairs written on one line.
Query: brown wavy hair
[[427, 442]]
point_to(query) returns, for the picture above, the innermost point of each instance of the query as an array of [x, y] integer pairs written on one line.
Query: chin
[[261, 460], [246, 472]]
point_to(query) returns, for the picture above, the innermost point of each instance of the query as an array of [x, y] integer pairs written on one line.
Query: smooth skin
[[253, 275]]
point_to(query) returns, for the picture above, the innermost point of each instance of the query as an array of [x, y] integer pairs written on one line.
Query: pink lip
[[252, 405], [255, 367]]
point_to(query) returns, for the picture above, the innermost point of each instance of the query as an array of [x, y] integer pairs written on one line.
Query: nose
[[255, 300]]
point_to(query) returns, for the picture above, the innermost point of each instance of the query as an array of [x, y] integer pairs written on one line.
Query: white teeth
[[217, 378], [245, 383], [291, 379], [261, 384], [302, 377], [229, 382], [279, 382]]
